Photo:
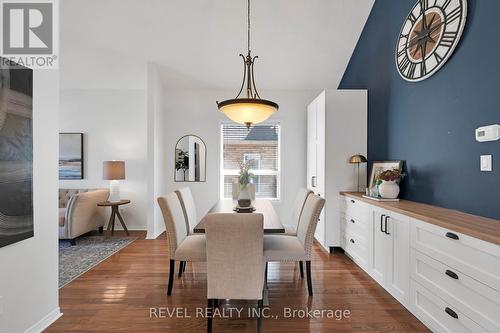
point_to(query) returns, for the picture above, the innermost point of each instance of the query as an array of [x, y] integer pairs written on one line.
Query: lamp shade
[[356, 159], [113, 170]]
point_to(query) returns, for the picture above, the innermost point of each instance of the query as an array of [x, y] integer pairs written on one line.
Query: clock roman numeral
[[411, 70], [448, 39], [438, 57], [403, 65], [402, 52], [423, 68], [445, 4], [412, 18], [453, 15], [424, 4]]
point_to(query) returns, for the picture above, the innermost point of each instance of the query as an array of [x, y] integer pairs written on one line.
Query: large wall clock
[[428, 37]]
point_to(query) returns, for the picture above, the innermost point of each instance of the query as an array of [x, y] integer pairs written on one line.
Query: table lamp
[[357, 159], [114, 171]]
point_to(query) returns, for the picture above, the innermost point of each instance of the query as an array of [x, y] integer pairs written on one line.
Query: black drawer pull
[[451, 312], [451, 274], [352, 201], [382, 223], [352, 240], [385, 223], [352, 221], [452, 235]]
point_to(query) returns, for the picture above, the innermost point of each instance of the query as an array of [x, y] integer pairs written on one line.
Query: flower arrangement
[[245, 175], [390, 175]]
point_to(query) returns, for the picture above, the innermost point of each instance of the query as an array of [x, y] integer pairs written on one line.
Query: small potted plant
[[389, 188], [245, 177]]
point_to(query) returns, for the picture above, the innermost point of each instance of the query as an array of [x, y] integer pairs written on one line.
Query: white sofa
[[79, 213]]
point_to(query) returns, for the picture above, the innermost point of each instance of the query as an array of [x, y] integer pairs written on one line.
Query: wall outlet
[[486, 163]]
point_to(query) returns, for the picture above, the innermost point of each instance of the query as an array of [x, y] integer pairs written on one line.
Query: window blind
[[260, 147]]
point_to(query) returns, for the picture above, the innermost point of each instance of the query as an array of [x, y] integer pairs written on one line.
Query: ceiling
[[301, 44]]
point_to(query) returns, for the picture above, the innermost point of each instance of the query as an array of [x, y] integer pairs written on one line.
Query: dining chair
[[182, 246], [188, 206], [299, 247], [298, 207], [236, 190], [235, 260]]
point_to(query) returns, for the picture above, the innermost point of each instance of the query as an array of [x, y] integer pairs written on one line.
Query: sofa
[[79, 213]]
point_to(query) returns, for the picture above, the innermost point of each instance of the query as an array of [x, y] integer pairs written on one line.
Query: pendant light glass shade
[[248, 111], [251, 109]]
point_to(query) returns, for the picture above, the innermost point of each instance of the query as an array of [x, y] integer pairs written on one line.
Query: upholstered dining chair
[[299, 247], [189, 208], [300, 201], [235, 260], [182, 246]]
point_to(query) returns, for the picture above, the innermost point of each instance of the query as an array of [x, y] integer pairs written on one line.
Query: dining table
[[272, 223]]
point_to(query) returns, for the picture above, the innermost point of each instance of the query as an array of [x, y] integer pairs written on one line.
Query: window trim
[[233, 172]]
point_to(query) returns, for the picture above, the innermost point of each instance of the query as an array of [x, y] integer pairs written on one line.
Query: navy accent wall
[[431, 124]]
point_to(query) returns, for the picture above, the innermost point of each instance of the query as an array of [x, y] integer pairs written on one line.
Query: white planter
[[388, 190]]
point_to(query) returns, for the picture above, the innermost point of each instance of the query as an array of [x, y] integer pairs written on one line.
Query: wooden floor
[[118, 294]]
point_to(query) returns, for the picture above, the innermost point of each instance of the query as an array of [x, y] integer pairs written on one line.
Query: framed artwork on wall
[[16, 153], [70, 156], [379, 166]]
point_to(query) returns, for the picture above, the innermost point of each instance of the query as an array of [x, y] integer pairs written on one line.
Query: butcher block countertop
[[475, 226]]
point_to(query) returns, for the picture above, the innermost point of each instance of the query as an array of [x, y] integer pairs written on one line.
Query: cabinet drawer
[[474, 299], [355, 209], [355, 226], [438, 315], [476, 258], [356, 247]]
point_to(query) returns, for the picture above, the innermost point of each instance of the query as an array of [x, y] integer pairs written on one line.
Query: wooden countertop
[[475, 226]]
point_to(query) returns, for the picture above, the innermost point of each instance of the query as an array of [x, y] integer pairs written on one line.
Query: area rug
[[87, 253]]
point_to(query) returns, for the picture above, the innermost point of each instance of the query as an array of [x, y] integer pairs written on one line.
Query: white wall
[[114, 123], [195, 112], [29, 269], [156, 152]]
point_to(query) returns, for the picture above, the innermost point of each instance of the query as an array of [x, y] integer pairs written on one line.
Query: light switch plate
[[486, 163]]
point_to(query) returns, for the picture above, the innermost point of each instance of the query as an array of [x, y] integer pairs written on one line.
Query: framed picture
[[378, 167], [16, 153], [70, 156]]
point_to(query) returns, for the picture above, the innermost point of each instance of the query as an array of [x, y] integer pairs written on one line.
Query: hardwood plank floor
[[118, 294]]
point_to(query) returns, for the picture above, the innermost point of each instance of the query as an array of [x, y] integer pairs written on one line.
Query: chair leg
[[171, 277], [301, 266], [265, 274], [309, 278], [184, 267], [210, 308], [101, 229], [181, 267], [260, 305]]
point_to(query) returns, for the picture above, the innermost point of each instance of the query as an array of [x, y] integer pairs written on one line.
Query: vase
[[244, 199], [388, 189]]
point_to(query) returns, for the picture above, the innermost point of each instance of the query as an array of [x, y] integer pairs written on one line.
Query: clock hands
[[415, 40]]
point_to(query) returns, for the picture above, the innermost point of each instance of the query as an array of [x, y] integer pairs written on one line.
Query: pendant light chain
[[248, 26]]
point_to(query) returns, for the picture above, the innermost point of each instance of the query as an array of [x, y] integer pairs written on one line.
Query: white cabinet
[[336, 129], [390, 253], [449, 280]]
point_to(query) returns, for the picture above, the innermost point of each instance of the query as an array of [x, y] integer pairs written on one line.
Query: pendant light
[[250, 109]]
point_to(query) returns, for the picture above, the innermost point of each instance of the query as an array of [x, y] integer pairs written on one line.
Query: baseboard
[[132, 227], [45, 322], [155, 236]]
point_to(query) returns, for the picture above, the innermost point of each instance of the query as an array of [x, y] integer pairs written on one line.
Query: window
[[259, 145]]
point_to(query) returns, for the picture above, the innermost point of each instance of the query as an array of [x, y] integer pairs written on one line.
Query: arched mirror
[[190, 159]]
